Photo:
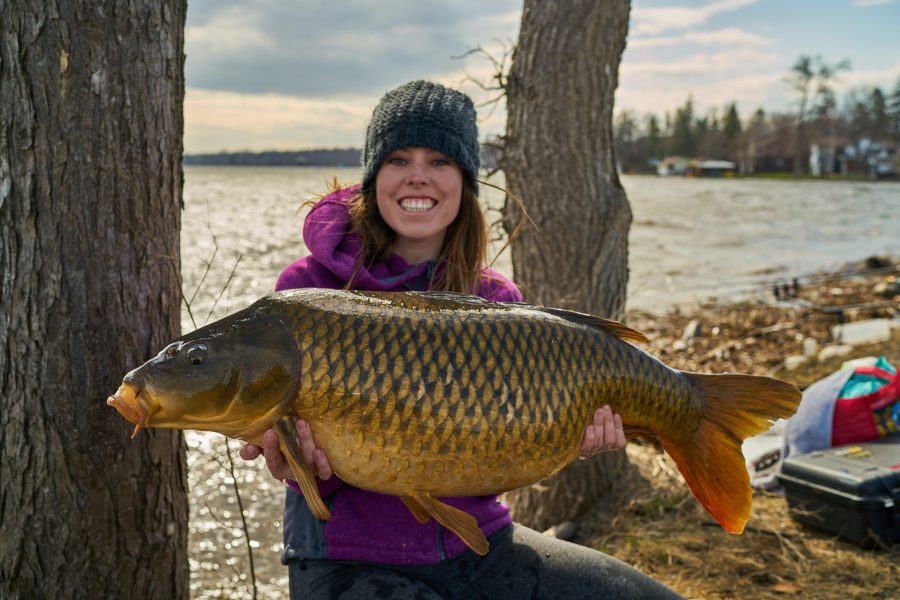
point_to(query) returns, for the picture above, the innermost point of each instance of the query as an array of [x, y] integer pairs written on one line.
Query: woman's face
[[418, 191]]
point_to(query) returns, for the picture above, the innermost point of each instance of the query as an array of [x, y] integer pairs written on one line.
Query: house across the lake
[[695, 167]]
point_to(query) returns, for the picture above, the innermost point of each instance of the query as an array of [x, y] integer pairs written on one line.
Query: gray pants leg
[[521, 564]]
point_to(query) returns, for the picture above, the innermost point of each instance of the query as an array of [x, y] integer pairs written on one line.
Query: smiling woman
[[414, 224]]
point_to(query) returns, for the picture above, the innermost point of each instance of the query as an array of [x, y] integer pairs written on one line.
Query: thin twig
[[240, 257], [224, 525], [184, 300], [237, 493], [499, 78], [206, 271], [230, 465], [212, 259]]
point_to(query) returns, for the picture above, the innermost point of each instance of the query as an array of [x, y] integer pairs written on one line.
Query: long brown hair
[[463, 254]]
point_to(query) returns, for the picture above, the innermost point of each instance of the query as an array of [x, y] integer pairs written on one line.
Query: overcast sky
[[292, 74]]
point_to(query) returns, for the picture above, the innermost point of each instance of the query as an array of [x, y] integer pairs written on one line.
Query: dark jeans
[[522, 563]]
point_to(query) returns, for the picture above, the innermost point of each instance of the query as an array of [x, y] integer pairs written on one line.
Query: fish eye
[[197, 354]]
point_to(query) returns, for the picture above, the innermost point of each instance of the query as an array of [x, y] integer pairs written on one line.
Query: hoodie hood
[[334, 246]]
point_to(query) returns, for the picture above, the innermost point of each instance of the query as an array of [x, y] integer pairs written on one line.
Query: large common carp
[[424, 395]]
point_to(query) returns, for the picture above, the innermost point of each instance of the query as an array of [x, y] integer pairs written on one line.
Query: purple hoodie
[[368, 526]]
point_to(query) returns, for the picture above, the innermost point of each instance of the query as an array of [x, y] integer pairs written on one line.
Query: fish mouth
[[128, 403]]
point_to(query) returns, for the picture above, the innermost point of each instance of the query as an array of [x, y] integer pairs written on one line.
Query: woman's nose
[[417, 173]]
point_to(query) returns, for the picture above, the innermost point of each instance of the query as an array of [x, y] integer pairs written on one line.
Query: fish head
[[222, 377]]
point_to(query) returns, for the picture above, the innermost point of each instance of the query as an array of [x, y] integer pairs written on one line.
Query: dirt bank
[[660, 529]]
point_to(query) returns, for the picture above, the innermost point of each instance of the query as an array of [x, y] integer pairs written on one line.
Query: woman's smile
[[417, 205]]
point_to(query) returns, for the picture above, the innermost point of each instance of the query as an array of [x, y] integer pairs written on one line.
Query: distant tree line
[[342, 157], [868, 119], [338, 157]]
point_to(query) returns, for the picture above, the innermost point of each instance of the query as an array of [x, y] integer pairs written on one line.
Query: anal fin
[[458, 521], [418, 511], [306, 479]]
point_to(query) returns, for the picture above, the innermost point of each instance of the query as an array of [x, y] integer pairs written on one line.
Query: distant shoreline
[[780, 176], [321, 157], [203, 161], [330, 157]]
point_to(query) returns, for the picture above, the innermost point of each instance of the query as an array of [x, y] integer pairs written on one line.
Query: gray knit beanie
[[422, 114]]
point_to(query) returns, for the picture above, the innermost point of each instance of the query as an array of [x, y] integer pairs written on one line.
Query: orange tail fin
[[737, 407]]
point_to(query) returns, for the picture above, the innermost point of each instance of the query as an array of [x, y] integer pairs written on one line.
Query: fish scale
[[426, 395]]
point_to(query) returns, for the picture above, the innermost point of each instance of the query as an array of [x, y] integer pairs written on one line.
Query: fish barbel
[[434, 394]]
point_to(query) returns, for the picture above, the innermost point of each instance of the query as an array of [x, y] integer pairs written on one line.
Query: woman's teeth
[[417, 204]]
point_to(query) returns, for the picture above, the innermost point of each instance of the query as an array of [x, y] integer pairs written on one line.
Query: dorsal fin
[[434, 300], [623, 332], [456, 301]]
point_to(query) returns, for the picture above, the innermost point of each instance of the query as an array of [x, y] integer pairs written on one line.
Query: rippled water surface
[[691, 238]]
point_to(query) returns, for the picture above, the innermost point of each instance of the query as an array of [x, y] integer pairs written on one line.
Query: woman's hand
[[278, 464], [604, 433]]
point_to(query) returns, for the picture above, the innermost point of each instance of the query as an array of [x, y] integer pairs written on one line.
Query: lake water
[[691, 239]]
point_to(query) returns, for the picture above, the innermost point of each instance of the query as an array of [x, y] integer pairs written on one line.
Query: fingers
[[323, 467], [275, 461], [313, 456], [250, 452], [589, 442], [620, 432], [306, 441], [605, 432], [609, 429]]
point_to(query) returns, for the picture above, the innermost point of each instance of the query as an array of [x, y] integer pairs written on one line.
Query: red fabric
[[852, 422], [853, 418]]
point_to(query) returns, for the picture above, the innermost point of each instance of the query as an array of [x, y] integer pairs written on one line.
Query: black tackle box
[[852, 491]]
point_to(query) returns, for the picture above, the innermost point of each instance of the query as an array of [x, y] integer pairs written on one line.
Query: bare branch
[[226, 286], [237, 494], [500, 67]]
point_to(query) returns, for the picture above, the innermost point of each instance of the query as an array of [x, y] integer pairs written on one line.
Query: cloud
[[233, 32], [315, 49], [651, 21], [868, 3], [720, 37], [235, 121], [750, 91], [868, 77], [729, 35], [722, 64], [216, 120]]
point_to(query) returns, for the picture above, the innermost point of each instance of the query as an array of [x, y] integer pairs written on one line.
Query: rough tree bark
[[558, 158], [91, 97]]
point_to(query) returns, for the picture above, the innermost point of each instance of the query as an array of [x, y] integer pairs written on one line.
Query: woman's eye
[[197, 354], [399, 162], [440, 162]]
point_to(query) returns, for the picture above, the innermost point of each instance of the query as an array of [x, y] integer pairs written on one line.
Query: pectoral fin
[[416, 509], [459, 522], [306, 479]]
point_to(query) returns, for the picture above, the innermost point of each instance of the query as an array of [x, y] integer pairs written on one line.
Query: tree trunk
[[91, 97], [558, 158]]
